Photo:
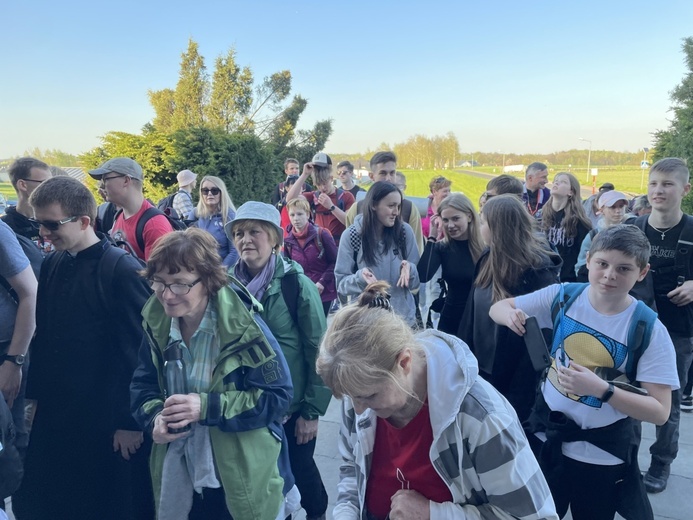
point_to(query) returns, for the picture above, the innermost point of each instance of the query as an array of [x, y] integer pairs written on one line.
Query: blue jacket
[[215, 227]]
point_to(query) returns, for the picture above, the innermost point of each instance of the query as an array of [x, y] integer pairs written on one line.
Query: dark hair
[[191, 250], [535, 167], [382, 157], [347, 165], [625, 238], [21, 168], [391, 235], [672, 165], [505, 184], [73, 197], [291, 160]]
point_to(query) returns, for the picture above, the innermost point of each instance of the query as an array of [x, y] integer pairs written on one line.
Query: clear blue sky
[[508, 76]]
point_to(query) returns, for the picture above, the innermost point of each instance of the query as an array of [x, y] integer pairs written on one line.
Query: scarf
[[301, 236], [256, 285]]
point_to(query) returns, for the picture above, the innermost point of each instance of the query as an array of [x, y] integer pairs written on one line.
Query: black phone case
[[536, 345]]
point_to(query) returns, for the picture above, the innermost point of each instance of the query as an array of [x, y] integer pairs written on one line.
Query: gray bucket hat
[[120, 165], [253, 210]]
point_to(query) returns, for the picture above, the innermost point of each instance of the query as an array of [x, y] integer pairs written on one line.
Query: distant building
[[468, 164]]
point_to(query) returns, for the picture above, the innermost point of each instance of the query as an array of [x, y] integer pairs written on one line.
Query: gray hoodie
[[349, 276]]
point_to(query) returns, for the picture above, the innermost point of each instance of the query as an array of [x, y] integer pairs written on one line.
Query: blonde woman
[[456, 254], [422, 436], [213, 212]]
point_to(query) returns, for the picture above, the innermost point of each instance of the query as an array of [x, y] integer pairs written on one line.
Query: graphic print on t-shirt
[[587, 347]]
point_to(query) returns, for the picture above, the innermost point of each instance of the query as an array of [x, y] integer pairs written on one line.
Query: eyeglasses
[[343, 172], [104, 179], [33, 180], [52, 225], [213, 191], [179, 289]]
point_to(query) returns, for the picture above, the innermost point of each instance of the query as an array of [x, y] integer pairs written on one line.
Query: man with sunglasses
[[121, 179], [88, 332], [26, 174]]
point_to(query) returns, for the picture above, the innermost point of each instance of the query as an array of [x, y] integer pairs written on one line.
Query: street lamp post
[[643, 167], [589, 158]]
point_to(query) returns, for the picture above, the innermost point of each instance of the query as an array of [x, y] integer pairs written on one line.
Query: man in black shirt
[[345, 173], [673, 295], [26, 174]]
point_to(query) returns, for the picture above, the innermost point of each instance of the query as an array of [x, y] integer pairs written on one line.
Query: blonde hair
[[462, 203], [225, 202], [272, 231], [362, 345], [299, 202], [438, 183]]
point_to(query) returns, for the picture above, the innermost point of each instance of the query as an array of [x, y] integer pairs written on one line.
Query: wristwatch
[[332, 208], [17, 360], [608, 394]]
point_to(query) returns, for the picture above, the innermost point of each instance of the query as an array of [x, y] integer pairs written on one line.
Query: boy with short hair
[[582, 426], [672, 277]]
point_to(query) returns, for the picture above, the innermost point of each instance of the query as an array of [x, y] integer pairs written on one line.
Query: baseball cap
[[186, 177], [253, 210], [120, 165], [322, 159], [611, 197], [606, 187]]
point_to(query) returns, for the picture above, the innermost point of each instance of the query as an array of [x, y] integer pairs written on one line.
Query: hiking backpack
[[639, 329], [318, 240], [149, 213], [165, 205]]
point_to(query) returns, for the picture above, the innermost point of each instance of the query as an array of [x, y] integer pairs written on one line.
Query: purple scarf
[[256, 285]]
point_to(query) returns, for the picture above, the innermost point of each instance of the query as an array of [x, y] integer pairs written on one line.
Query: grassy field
[[417, 183], [7, 191]]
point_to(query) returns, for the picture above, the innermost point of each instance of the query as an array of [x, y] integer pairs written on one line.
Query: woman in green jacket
[[232, 462], [293, 312]]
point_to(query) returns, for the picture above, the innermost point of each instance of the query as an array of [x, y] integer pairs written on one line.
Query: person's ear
[[405, 360], [643, 273], [84, 222]]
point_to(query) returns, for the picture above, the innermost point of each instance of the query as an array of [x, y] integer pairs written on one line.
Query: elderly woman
[[294, 313], [422, 436], [229, 463], [213, 212]]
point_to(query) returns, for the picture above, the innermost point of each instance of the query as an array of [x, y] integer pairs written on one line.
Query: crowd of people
[[182, 374]]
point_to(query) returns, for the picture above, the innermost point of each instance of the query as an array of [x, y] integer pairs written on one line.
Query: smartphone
[[539, 354]]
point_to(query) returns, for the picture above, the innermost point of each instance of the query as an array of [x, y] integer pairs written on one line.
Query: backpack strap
[[559, 306], [105, 274], [355, 241], [684, 248], [148, 214], [340, 199], [639, 336], [406, 210], [318, 241], [290, 290]]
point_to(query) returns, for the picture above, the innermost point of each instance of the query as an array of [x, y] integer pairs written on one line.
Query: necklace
[[663, 231]]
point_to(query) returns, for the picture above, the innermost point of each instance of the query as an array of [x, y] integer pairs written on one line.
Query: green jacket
[[249, 395], [300, 342]]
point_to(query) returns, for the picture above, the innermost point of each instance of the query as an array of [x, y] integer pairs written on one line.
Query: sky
[[504, 76]]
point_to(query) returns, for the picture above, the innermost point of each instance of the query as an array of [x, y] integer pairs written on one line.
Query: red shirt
[[405, 449], [324, 217], [124, 229]]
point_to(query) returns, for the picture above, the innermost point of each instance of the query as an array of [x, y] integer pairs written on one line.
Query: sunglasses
[[52, 225], [213, 191]]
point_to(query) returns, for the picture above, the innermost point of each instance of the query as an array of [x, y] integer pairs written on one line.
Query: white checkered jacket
[[479, 448]]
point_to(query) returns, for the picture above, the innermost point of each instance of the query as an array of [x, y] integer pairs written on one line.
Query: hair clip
[[381, 301]]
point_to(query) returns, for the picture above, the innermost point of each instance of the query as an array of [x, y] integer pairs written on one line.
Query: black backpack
[[165, 205], [11, 469], [149, 213]]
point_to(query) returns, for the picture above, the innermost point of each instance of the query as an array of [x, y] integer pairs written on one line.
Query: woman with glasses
[[294, 313], [231, 462], [422, 435], [214, 210]]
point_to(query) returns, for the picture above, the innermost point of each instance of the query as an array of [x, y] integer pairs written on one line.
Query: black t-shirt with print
[[665, 277]]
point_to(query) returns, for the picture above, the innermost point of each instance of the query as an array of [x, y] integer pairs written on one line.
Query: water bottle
[[176, 376]]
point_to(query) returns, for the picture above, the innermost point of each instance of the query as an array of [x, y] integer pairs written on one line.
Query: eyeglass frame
[[207, 191], [53, 225], [169, 286], [34, 180], [104, 178]]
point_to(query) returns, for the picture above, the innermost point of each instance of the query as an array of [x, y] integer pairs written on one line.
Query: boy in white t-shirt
[[583, 427]]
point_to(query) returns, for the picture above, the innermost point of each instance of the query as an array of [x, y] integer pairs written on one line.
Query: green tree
[[232, 93], [164, 105], [190, 96], [677, 140]]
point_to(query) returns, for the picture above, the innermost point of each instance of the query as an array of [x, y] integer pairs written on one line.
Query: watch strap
[[608, 394]]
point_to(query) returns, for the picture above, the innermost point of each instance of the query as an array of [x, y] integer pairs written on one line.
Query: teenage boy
[[121, 179], [328, 204], [88, 316], [291, 168], [345, 174], [583, 426], [669, 182]]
